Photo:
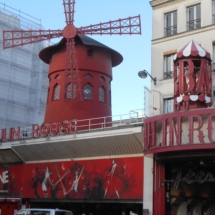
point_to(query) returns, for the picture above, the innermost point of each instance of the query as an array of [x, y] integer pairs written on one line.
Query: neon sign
[[43, 130], [180, 129]]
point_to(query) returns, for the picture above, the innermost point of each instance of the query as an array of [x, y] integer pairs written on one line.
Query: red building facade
[[182, 142], [61, 163]]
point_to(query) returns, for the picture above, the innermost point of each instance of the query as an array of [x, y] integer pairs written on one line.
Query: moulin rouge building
[[63, 164], [79, 158], [179, 133], [181, 143]]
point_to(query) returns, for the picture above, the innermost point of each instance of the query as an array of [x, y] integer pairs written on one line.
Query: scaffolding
[[23, 76]]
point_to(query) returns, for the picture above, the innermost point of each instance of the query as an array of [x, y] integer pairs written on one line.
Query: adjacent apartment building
[[175, 24], [179, 136]]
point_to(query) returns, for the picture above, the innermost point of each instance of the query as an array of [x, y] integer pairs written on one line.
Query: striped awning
[[192, 49]]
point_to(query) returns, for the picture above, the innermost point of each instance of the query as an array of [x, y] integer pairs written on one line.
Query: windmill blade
[[130, 25], [72, 81], [15, 38], [69, 10]]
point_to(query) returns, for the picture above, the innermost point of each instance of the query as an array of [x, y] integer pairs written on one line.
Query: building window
[[87, 91], [102, 79], [213, 58], [57, 77], [168, 105], [193, 17], [168, 66], [170, 23], [56, 94], [213, 11], [110, 97], [70, 91], [88, 76], [47, 100], [90, 53], [102, 94]]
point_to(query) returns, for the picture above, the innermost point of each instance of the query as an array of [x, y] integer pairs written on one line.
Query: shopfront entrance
[[189, 182]]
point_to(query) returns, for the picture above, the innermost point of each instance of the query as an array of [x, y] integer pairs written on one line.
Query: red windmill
[[72, 89]]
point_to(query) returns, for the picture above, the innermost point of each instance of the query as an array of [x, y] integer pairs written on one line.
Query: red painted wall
[[159, 189], [120, 178], [9, 208], [100, 65]]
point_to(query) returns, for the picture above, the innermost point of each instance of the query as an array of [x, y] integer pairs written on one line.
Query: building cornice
[[183, 34], [163, 3]]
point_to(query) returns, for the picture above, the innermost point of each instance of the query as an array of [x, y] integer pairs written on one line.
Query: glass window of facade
[[90, 53], [168, 105], [57, 77], [213, 57], [102, 79], [101, 94], [213, 11], [88, 92], [194, 17], [56, 94], [168, 66], [70, 91], [110, 97], [170, 23], [88, 76]]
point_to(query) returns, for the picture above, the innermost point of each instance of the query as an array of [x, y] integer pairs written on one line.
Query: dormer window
[[102, 79], [57, 77], [90, 53], [88, 76]]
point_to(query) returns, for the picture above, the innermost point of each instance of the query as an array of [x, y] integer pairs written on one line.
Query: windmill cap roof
[[192, 49], [46, 53]]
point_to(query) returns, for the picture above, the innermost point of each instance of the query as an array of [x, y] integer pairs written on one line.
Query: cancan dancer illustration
[[46, 178], [111, 179], [75, 182]]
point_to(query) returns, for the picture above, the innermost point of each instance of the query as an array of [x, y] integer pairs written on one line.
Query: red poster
[[120, 178]]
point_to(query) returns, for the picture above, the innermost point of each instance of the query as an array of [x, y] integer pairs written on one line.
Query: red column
[[159, 189]]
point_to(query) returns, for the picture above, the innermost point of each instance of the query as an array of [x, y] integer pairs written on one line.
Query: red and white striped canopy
[[194, 50]]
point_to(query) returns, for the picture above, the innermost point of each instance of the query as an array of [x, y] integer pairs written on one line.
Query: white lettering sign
[[4, 177]]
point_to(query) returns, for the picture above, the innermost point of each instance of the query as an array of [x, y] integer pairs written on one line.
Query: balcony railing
[[168, 75], [170, 30], [194, 24], [133, 118]]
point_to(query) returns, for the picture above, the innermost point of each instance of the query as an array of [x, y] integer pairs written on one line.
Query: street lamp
[[144, 73]]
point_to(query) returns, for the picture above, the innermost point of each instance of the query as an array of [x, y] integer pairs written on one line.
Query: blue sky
[[127, 87]]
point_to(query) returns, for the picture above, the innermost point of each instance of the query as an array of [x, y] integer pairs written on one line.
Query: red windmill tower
[[76, 65]]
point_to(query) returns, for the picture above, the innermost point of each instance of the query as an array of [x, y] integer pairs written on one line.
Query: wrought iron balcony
[[170, 30], [194, 24], [168, 75]]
